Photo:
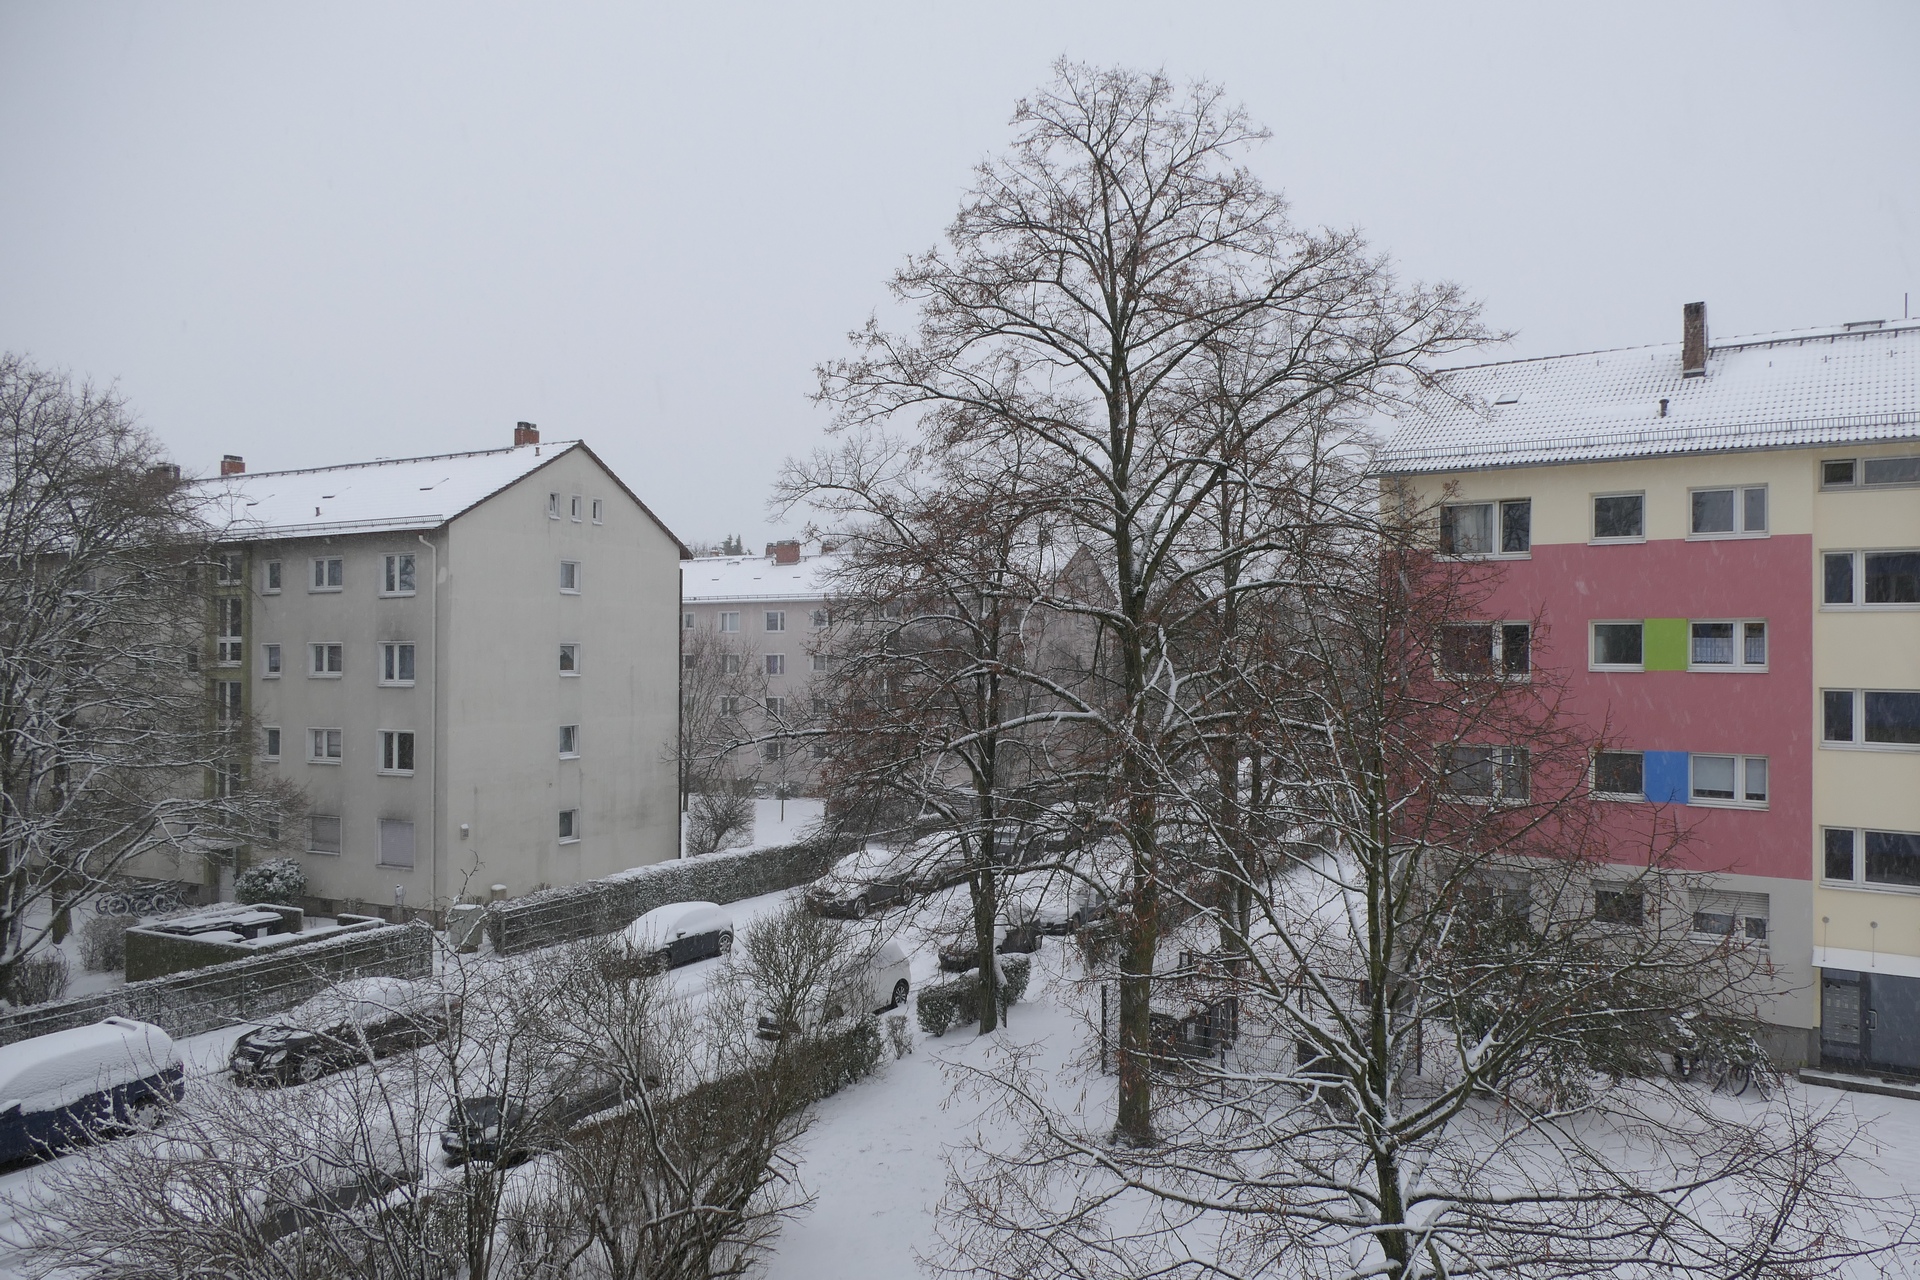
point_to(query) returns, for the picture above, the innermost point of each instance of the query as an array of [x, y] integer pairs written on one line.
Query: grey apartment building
[[468, 663]]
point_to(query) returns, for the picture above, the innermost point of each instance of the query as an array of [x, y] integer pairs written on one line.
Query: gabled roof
[[715, 579], [1851, 385], [391, 494]]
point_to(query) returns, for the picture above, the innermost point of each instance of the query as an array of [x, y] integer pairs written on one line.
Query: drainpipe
[[433, 718]]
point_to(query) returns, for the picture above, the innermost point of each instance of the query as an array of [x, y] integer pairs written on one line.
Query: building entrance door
[[1842, 1002], [1893, 1023]]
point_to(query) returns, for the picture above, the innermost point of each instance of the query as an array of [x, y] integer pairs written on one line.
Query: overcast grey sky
[[322, 233]]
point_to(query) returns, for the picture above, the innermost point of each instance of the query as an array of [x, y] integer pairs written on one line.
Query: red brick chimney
[[1693, 340], [232, 465], [525, 433], [787, 552]]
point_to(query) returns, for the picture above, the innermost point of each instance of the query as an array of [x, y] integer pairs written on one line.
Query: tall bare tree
[[1095, 282], [111, 746]]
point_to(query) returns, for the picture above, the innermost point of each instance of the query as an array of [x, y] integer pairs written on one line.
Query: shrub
[[103, 943], [847, 1056], [956, 1002], [1015, 971], [40, 977], [278, 880]]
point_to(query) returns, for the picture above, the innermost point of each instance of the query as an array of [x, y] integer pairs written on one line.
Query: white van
[[876, 982], [61, 1089]]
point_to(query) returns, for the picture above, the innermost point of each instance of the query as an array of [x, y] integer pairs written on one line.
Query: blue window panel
[[1666, 777]]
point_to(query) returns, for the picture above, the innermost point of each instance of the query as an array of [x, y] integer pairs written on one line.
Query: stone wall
[[600, 906], [186, 1004]]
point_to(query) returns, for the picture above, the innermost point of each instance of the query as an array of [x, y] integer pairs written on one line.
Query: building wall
[[504, 697], [796, 644]]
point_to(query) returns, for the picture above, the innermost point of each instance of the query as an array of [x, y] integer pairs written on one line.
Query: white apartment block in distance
[[468, 662], [767, 618]]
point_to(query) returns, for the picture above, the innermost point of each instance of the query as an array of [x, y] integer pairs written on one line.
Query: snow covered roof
[[717, 578], [1854, 384]]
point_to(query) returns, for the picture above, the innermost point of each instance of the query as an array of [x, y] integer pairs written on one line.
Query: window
[[1739, 781], [323, 746], [599, 511], [397, 578], [1872, 578], [819, 751], [729, 705], [1620, 905], [396, 751], [1870, 717], [1727, 646], [323, 833], [818, 619], [1619, 517], [570, 577], [1469, 528], [396, 663], [1893, 857], [193, 659], [569, 825], [1485, 772], [1620, 773], [776, 664], [569, 659], [1843, 473], [270, 745], [396, 843], [1721, 914], [230, 569], [228, 696], [690, 661], [270, 661], [730, 664], [569, 740], [326, 660], [575, 505], [329, 574], [729, 622], [819, 706], [228, 650], [1486, 648], [1723, 513], [776, 619], [686, 622], [770, 752], [776, 707], [1619, 645], [270, 578], [819, 662], [553, 506]]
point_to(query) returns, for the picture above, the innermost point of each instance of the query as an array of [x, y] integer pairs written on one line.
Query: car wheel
[[310, 1069], [662, 961], [860, 907], [906, 895], [145, 1114], [725, 942], [899, 994]]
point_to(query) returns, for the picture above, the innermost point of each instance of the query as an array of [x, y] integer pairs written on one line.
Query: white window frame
[[229, 569], [1497, 523], [1857, 724], [230, 648], [317, 579], [686, 622], [390, 752], [390, 661], [819, 619], [413, 838], [776, 706], [318, 652], [1702, 901], [1623, 889], [776, 619], [229, 701], [1858, 839], [569, 826], [566, 565], [1859, 479], [1593, 637], [271, 576], [1497, 657], [576, 508], [819, 663], [727, 622], [1739, 530], [729, 704], [1505, 758], [1593, 519], [270, 742], [569, 653], [599, 510], [1593, 778], [339, 834], [569, 742], [1740, 637], [318, 743], [1742, 764], [272, 665], [553, 506], [776, 664], [390, 574], [1859, 572]]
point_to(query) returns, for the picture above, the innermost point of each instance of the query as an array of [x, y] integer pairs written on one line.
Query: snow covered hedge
[[281, 880], [955, 1002]]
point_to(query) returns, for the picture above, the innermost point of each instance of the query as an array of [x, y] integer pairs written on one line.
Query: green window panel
[[1666, 644]]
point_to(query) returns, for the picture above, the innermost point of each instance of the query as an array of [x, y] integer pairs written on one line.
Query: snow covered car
[[61, 1089], [1055, 904], [344, 1026], [487, 1128], [875, 876], [676, 934], [878, 981]]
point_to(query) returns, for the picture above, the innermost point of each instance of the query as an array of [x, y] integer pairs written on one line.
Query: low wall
[[597, 907], [153, 954], [186, 1004]]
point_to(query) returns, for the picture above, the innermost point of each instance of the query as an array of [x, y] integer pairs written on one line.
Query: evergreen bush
[[279, 880]]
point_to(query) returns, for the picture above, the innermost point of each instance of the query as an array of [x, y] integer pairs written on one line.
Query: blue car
[[70, 1087]]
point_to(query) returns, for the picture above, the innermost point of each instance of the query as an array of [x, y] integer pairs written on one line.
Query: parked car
[[676, 934], [536, 1117], [487, 1128], [351, 1023], [1055, 904], [876, 982], [963, 953], [875, 876], [64, 1088]]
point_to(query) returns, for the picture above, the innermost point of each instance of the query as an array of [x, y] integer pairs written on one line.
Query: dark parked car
[[65, 1088], [487, 1128], [963, 954], [676, 934], [875, 876], [352, 1023]]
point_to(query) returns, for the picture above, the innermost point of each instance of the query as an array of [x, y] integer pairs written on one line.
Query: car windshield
[[481, 1113]]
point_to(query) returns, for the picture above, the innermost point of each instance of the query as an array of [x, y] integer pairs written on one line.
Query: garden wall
[[220, 995], [597, 907]]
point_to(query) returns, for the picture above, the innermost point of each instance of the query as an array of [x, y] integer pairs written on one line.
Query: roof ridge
[[390, 462], [1733, 342]]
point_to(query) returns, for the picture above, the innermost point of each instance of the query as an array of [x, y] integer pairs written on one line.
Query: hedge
[[955, 1002]]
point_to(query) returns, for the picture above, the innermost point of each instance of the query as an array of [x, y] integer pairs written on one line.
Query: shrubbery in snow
[[103, 943], [955, 1002], [279, 880], [41, 977]]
